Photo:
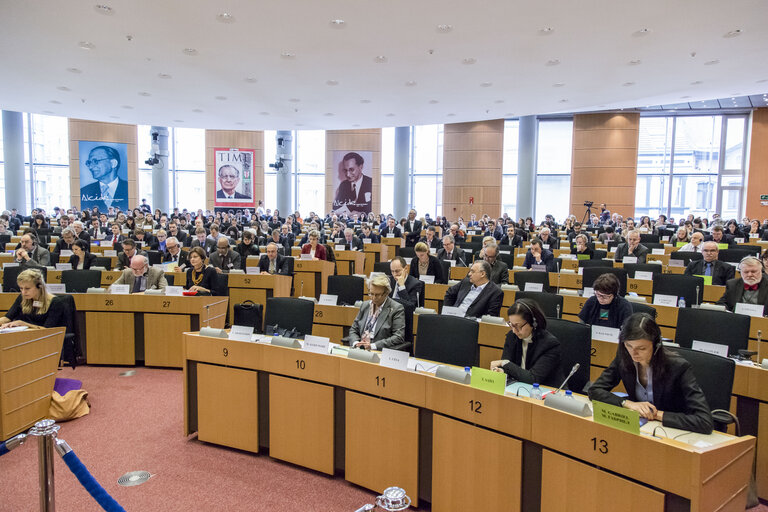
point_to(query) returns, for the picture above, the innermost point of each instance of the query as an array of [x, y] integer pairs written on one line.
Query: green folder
[[707, 279], [616, 417], [582, 256], [488, 380]]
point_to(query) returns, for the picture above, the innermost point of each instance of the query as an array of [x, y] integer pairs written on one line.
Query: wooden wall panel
[[81, 129], [233, 139], [472, 166], [353, 140], [604, 168], [757, 176]]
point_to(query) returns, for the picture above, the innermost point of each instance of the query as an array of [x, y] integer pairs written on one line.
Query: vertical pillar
[[402, 181], [526, 167], [160, 169], [15, 175], [284, 155]]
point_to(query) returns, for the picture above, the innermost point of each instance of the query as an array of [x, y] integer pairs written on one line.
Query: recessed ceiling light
[[331, 82], [444, 27], [469, 61], [55, 102], [178, 120], [328, 114], [294, 100], [733, 33], [189, 51], [225, 17], [338, 23], [74, 70], [287, 55], [85, 45], [762, 81], [559, 84], [114, 117], [390, 115], [628, 84], [546, 31], [451, 115], [697, 82], [433, 102], [164, 76], [299, 124], [509, 114], [239, 123], [684, 97], [64, 88], [251, 79], [263, 113], [380, 59], [553, 62], [355, 125], [145, 94], [127, 107], [499, 101], [564, 100], [410, 83], [221, 98], [486, 84], [103, 9], [635, 62], [48, 112], [642, 32], [365, 101], [197, 110], [712, 62]]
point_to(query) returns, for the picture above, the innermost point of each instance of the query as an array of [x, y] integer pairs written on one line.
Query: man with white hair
[[709, 265], [547, 240], [750, 288], [381, 320], [632, 247], [81, 232], [141, 277], [351, 242], [695, 244]]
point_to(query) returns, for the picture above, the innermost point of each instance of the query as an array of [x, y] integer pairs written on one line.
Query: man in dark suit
[[431, 238], [356, 191], [632, 247], [511, 238], [80, 231], [229, 179], [750, 288], [129, 251], [108, 189], [548, 240], [404, 286], [174, 231], [381, 321], [201, 240], [499, 269], [456, 234], [412, 229], [391, 229], [174, 254], [450, 252], [476, 295], [719, 237], [711, 266], [538, 256], [367, 234], [493, 230], [274, 263], [351, 242]]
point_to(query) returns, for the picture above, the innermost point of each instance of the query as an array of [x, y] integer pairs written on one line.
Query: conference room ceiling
[[341, 64]]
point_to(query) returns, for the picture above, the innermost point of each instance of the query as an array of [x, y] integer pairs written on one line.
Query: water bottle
[[569, 394], [681, 302], [468, 370], [536, 392]]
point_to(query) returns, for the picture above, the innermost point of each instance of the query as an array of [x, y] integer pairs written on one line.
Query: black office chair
[[754, 250], [447, 339], [719, 327], [4, 239], [71, 351], [446, 266], [407, 344], [522, 277], [734, 255], [691, 288], [591, 273], [639, 307], [101, 261], [631, 268], [509, 259], [648, 238], [714, 375], [406, 252], [686, 256], [665, 233], [551, 304], [78, 281], [10, 274], [596, 263], [349, 289], [154, 257], [652, 246], [221, 287], [575, 347], [599, 254], [290, 313], [382, 266], [54, 259]]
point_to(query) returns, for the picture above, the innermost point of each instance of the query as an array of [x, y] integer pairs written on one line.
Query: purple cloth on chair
[[63, 386]]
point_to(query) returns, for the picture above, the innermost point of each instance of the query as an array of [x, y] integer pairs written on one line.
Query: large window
[[427, 169], [387, 171], [509, 167], [690, 165], [309, 174], [553, 169], [270, 175]]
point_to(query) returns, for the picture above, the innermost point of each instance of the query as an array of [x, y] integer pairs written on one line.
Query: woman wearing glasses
[[531, 353], [606, 308]]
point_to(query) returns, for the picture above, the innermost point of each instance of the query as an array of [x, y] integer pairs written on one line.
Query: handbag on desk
[[248, 313]]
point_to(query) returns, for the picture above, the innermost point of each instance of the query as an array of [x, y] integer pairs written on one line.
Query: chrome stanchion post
[[45, 431]]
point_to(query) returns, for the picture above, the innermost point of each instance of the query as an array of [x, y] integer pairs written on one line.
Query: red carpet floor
[[136, 424]]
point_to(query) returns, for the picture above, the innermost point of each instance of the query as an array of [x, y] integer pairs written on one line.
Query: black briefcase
[[249, 313]]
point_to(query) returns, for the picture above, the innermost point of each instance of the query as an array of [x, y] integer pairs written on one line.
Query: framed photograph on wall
[[352, 182], [103, 175], [235, 186]]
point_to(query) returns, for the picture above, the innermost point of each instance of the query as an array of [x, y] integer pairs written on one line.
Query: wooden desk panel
[[350, 262], [560, 280], [377, 380], [474, 468], [640, 286], [603, 353], [109, 338], [163, 338], [310, 278], [376, 429], [227, 405], [374, 253], [257, 288], [492, 335], [488, 354], [301, 423], [301, 364]]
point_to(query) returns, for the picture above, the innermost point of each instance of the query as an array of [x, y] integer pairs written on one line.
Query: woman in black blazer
[[581, 247], [426, 264], [660, 385], [201, 278], [80, 253], [542, 349]]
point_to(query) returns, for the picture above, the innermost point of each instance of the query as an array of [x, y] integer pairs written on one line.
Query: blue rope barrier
[[93, 487], [3, 449]]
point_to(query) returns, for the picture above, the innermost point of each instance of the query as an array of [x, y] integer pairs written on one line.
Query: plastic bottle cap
[[466, 368], [535, 384]]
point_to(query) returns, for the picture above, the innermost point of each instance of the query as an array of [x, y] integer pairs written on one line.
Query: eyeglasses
[[600, 295], [93, 161], [228, 177], [517, 327]]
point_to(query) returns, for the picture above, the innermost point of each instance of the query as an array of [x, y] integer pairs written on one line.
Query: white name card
[[644, 275], [754, 235], [588, 292], [110, 253], [581, 271], [339, 247], [602, 333], [240, 333], [328, 300], [630, 259], [452, 311], [390, 235], [65, 253], [252, 270], [427, 279], [674, 262], [665, 238], [119, 289], [397, 359], [306, 256], [63, 266], [56, 288], [710, 348], [316, 344], [545, 246], [9, 265], [432, 250], [659, 252], [661, 299], [743, 308], [174, 291], [534, 287], [505, 252], [738, 240], [366, 240], [452, 263]]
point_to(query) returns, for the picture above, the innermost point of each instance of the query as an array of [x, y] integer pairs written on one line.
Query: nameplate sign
[[674, 262], [367, 240], [339, 247], [328, 300], [56, 288], [659, 252], [451, 311], [432, 250], [545, 246], [316, 344], [65, 253], [10, 265], [397, 359], [754, 235], [707, 279], [252, 270], [743, 308], [111, 253], [427, 279], [581, 256], [722, 246], [390, 235], [602, 333], [174, 291], [63, 266], [616, 417], [710, 348], [119, 289], [581, 271], [630, 259], [534, 287], [738, 240], [665, 238], [661, 299], [587, 292], [488, 380], [240, 333], [306, 256], [644, 275], [539, 267]]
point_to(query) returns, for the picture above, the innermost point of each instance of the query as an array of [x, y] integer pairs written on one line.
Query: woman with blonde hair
[[424, 264], [35, 307]]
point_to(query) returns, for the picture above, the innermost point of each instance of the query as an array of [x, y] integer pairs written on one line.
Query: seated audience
[[750, 288], [274, 263], [476, 295], [314, 248], [499, 269], [581, 249], [709, 265], [35, 307], [141, 277], [81, 258], [224, 259], [539, 257], [606, 307], [632, 247], [450, 252], [129, 251], [404, 286], [380, 323], [424, 264], [201, 278]]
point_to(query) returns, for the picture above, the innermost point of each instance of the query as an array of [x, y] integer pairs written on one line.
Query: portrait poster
[[352, 182], [235, 186], [103, 175]]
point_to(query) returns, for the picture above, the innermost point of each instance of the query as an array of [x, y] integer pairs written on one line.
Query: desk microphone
[[697, 295], [573, 371], [759, 339], [557, 265]]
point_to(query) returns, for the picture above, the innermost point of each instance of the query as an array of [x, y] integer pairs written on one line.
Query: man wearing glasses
[[709, 265], [229, 179], [381, 320], [108, 190], [476, 295]]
